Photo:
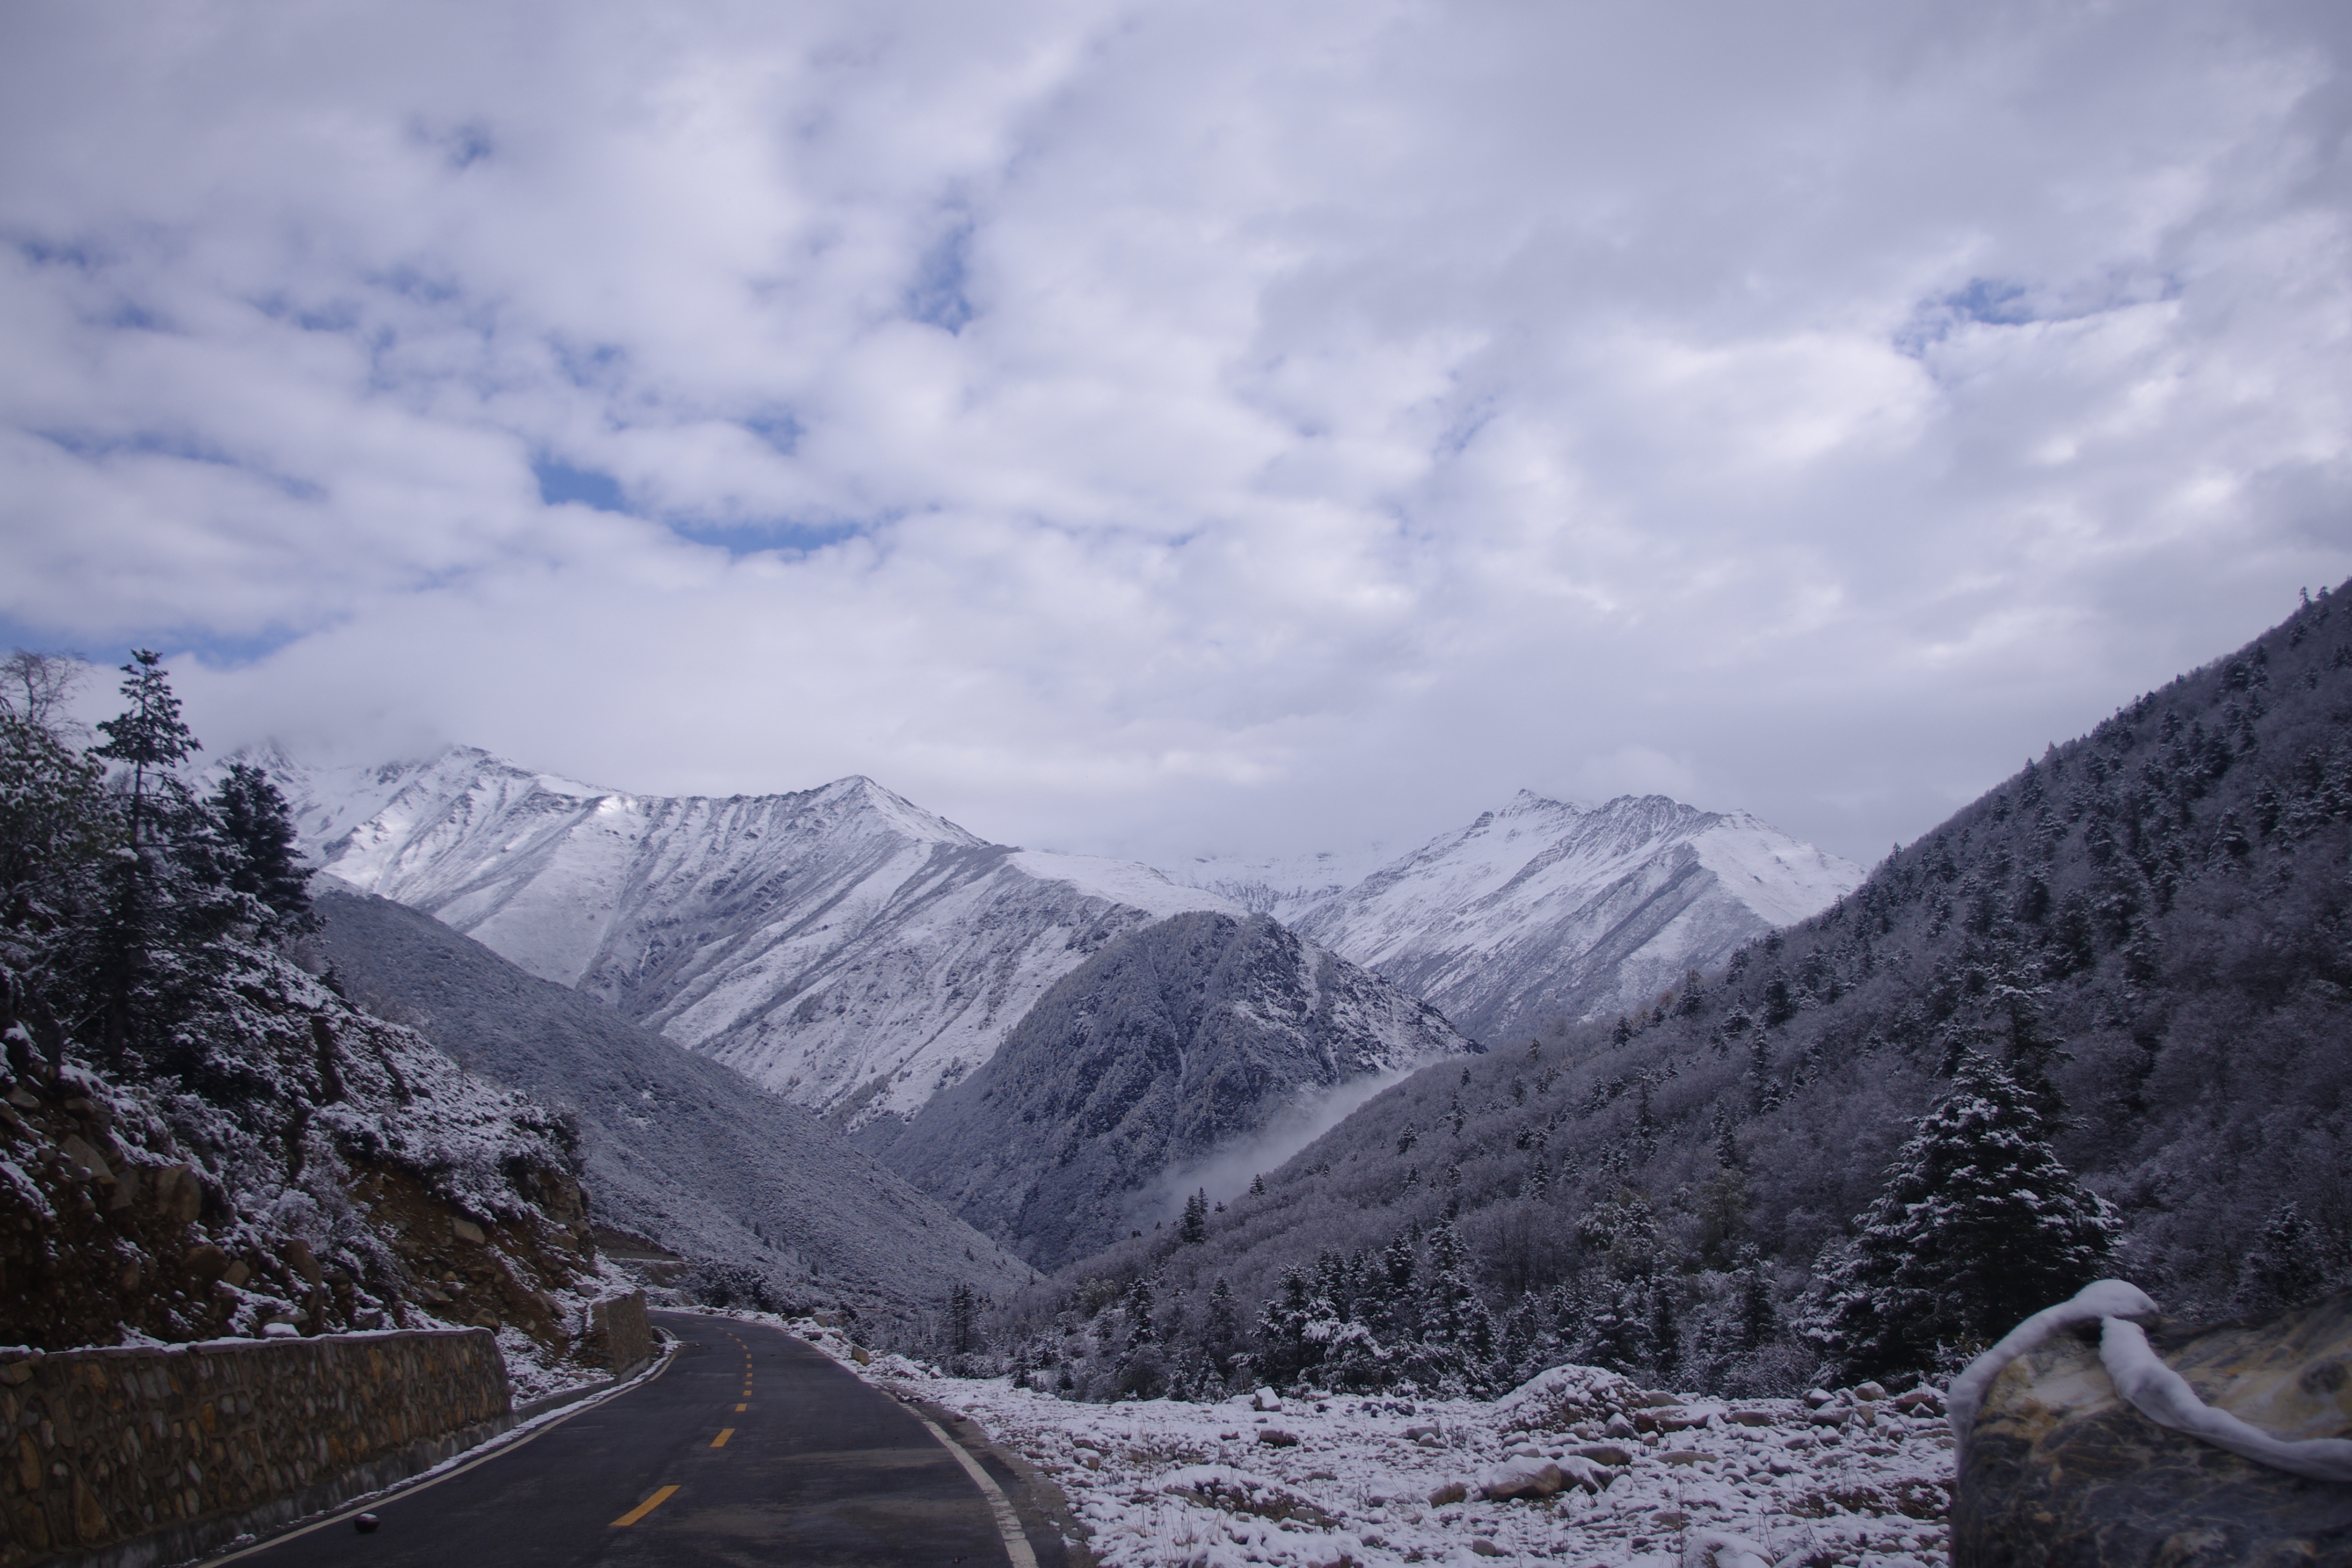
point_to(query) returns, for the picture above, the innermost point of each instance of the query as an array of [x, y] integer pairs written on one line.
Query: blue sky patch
[[560, 482], [937, 295]]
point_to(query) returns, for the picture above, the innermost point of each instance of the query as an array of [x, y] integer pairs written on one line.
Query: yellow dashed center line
[[742, 1407], [724, 1433], [645, 1507]]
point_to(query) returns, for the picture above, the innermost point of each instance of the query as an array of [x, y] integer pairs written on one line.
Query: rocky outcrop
[[306, 1168], [180, 1449], [2060, 1472]]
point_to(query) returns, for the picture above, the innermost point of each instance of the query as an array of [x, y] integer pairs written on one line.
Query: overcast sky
[[1168, 427]]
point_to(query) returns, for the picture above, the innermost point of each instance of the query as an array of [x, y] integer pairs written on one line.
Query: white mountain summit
[[1547, 910], [841, 944]]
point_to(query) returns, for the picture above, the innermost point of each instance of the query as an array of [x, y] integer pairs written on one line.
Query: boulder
[[2060, 1472], [1520, 1477]]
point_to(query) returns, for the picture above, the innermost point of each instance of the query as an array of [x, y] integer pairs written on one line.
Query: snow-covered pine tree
[[259, 862], [1977, 1227], [1456, 1343]]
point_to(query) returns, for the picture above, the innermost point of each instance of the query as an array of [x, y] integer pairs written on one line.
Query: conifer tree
[[1193, 1228], [257, 830], [1977, 1227]]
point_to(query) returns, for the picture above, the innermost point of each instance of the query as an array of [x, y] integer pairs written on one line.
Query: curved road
[[751, 1447]]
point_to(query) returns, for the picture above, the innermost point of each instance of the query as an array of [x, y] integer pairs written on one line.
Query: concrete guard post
[[619, 1326], [129, 1458]]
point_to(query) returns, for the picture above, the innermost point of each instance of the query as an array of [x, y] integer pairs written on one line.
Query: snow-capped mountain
[[1549, 909], [1182, 1057], [1283, 886], [840, 944]]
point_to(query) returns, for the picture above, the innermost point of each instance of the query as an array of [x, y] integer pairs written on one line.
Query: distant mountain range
[[1547, 910], [840, 945], [1046, 1041]]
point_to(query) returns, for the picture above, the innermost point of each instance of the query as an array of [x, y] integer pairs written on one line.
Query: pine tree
[[1193, 1229], [257, 830], [150, 735], [1221, 1335], [158, 915], [1977, 1227]]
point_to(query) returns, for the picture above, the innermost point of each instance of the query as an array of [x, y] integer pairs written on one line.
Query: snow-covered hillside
[[1283, 886], [840, 944], [1547, 909]]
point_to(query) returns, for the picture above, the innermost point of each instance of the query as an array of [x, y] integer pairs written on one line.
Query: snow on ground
[[1835, 1479]]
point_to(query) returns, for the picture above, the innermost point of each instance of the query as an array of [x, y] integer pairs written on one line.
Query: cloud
[[1150, 429]]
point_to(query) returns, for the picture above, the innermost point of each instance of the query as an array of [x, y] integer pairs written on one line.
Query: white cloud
[[1147, 429]]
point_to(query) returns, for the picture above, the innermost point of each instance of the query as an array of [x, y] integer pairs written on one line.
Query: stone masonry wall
[[140, 1456]]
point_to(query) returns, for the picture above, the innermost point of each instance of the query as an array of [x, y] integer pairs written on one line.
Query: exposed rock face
[[1193, 1037], [840, 945], [315, 1168], [1547, 910], [677, 1149], [2061, 1473]]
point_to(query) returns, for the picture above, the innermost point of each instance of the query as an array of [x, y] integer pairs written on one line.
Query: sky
[[1183, 427]]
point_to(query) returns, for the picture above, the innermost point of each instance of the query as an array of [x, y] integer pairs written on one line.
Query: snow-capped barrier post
[[123, 1457], [2089, 1440]]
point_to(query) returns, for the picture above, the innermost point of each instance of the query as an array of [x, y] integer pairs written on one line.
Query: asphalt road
[[749, 1448]]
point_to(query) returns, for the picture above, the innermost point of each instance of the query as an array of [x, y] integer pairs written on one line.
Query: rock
[[1585, 1473], [303, 1261], [1921, 1401], [1521, 1477], [1748, 1417], [1871, 1392], [1682, 1457], [1817, 1397], [84, 1160], [1619, 1426], [1276, 1437], [1484, 1547], [2061, 1473], [1604, 1454], [1452, 1491], [466, 1230], [205, 1261]]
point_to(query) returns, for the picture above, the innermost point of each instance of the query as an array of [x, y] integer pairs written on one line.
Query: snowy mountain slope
[[1283, 886], [840, 944], [676, 1148], [1547, 910], [1202, 1046]]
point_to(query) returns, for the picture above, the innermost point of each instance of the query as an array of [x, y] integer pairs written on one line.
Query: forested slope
[[2147, 926]]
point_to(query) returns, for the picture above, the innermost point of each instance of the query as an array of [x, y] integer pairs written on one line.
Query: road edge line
[[1008, 1523], [497, 1447]]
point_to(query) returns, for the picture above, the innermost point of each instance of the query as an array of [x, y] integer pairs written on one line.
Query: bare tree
[[35, 686]]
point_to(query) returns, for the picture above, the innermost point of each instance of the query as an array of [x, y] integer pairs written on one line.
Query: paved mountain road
[[749, 1448]]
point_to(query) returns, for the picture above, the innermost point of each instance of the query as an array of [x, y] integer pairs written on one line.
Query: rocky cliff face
[[1545, 910], [676, 1148], [1177, 1056], [840, 945]]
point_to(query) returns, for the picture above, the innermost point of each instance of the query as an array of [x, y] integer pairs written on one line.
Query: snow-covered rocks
[[1166, 1481]]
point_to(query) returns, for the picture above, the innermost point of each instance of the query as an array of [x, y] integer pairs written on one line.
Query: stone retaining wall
[[128, 1458]]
